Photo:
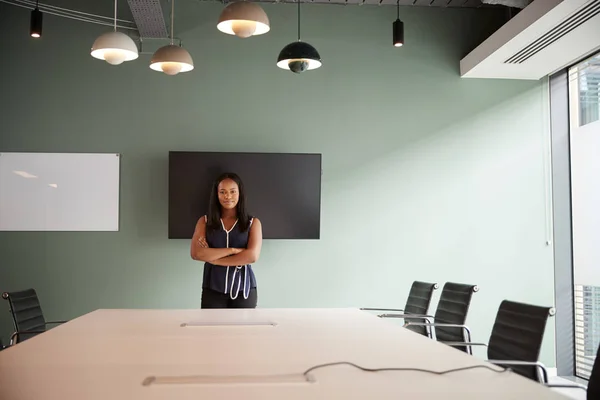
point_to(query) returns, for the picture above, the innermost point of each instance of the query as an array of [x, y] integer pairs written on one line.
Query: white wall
[[426, 175], [466, 204]]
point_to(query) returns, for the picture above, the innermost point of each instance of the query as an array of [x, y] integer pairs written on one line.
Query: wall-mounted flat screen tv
[[282, 189]]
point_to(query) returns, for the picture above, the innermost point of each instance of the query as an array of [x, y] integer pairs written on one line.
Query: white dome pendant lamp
[[114, 47], [171, 59], [243, 19]]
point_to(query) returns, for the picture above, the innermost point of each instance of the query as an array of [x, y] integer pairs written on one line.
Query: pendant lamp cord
[[398, 9], [115, 15], [172, 18], [299, 20], [37, 3]]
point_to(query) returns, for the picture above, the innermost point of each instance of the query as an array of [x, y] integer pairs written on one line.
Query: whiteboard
[[59, 192]]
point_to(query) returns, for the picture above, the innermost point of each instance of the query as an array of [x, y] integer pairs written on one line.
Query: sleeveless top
[[233, 279]]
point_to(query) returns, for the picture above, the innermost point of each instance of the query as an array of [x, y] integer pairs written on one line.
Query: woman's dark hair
[[214, 207]]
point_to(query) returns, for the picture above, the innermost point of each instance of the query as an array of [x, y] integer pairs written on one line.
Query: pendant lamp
[[243, 19], [299, 56], [398, 29], [114, 47], [172, 59], [35, 27]]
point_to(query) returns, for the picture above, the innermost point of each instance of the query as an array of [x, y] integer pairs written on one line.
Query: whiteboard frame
[[86, 197]]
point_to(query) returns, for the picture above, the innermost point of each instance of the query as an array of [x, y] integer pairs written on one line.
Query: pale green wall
[[426, 175]]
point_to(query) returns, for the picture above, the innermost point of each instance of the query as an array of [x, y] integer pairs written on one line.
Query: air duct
[[544, 37]]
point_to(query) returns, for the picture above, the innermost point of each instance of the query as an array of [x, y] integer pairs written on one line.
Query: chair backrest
[[593, 391], [418, 301], [517, 335], [26, 312], [453, 308]]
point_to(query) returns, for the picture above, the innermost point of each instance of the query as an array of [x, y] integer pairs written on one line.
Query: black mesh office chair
[[27, 315], [516, 339], [418, 301], [517, 336], [448, 323]]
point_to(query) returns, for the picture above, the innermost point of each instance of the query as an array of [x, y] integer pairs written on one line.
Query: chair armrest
[[404, 315], [540, 367], [381, 309], [16, 334], [566, 386], [441, 325], [464, 344]]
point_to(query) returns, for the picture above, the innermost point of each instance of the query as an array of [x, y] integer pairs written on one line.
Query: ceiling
[[152, 16], [150, 20], [425, 3]]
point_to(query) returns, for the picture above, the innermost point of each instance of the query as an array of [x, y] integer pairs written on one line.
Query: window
[[584, 138], [584, 82], [587, 328]]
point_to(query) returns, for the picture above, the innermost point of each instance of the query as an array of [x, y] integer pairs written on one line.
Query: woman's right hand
[[202, 242]]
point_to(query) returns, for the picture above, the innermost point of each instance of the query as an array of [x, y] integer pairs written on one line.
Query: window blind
[[587, 328]]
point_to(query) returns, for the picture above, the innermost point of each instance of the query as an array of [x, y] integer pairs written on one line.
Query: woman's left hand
[[202, 242]]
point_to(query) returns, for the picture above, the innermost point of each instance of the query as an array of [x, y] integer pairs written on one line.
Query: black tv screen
[[283, 190]]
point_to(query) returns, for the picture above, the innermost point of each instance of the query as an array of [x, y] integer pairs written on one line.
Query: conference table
[[247, 354]]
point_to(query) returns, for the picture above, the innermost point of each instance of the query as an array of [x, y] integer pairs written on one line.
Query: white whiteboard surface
[[59, 192]]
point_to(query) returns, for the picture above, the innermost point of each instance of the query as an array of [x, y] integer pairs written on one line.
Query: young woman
[[228, 240]]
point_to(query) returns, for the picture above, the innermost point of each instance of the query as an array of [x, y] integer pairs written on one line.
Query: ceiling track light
[[35, 26], [243, 19], [299, 56], [172, 59], [398, 28], [114, 47]]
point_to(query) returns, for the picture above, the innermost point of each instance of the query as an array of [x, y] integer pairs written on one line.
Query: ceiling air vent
[[588, 11], [148, 16]]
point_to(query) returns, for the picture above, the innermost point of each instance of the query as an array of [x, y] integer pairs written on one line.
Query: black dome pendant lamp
[[398, 29], [299, 56]]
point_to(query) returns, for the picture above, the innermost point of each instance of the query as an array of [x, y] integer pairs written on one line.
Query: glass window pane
[[584, 109], [588, 75]]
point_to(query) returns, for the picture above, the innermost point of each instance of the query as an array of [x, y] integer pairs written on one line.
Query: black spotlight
[[35, 28]]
